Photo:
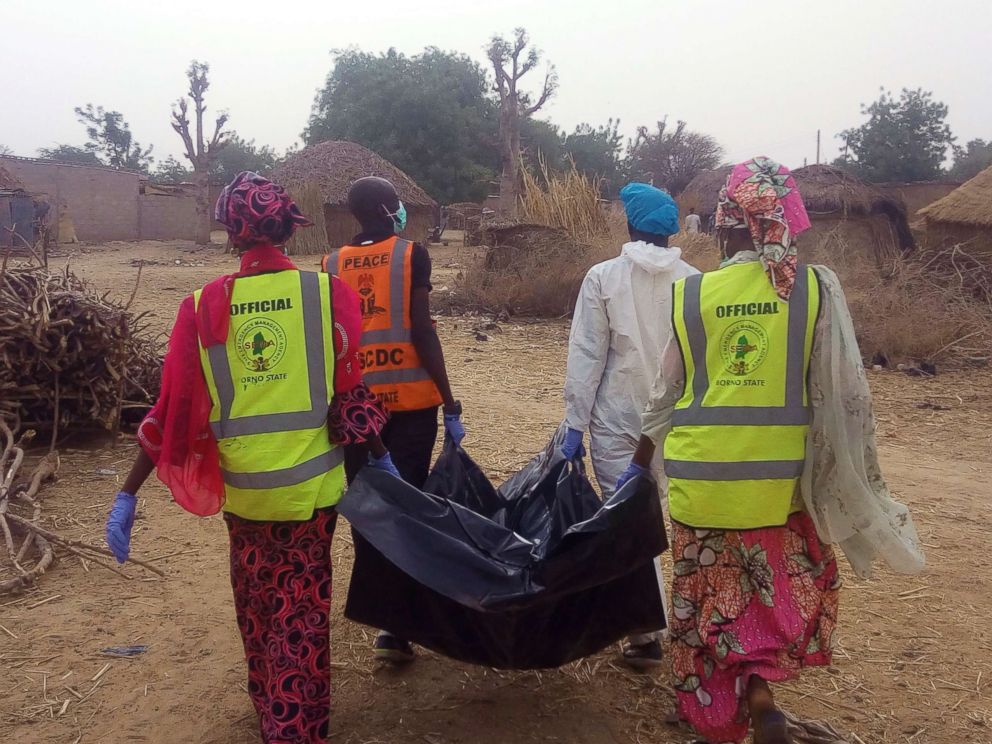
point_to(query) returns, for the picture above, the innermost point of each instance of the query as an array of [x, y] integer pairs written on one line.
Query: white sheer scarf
[[842, 485]]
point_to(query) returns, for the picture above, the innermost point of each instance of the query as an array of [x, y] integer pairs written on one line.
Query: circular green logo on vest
[[744, 347], [261, 344]]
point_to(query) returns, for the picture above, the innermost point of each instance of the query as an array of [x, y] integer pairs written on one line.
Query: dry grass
[[932, 305], [913, 309], [568, 200], [543, 279]]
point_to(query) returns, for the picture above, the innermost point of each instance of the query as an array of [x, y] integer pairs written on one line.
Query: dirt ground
[[913, 661]]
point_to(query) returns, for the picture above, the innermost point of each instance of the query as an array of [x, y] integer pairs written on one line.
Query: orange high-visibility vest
[[381, 275]]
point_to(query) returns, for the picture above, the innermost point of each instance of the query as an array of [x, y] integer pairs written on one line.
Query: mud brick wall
[[102, 202], [167, 217]]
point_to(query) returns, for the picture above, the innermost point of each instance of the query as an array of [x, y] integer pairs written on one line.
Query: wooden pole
[[817, 146]]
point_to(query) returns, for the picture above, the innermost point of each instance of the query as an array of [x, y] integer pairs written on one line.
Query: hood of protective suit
[[621, 324], [652, 258]]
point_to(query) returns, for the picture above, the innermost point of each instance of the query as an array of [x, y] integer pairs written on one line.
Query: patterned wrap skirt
[[281, 576], [747, 602]]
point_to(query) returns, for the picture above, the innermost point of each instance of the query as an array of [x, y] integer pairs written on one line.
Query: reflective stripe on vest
[[291, 476], [390, 364], [266, 423], [276, 457], [396, 333], [737, 446], [793, 413]]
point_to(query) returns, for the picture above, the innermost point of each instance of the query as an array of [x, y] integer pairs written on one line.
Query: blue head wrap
[[650, 209]]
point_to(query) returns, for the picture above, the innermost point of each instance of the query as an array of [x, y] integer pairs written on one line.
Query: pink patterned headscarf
[[762, 196], [255, 210]]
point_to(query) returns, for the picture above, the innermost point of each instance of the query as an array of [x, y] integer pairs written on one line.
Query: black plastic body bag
[[532, 575]]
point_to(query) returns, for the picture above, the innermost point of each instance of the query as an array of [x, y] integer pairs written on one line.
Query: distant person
[[260, 388], [619, 328], [401, 353], [763, 362], [692, 222], [711, 224]]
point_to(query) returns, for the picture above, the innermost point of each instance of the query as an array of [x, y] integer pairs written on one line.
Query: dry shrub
[[904, 310], [541, 284]]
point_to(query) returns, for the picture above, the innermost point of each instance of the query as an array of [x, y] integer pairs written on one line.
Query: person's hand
[[384, 463], [572, 447], [633, 470], [453, 426], [119, 524]]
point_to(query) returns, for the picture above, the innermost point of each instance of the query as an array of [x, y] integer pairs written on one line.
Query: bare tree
[[672, 158], [511, 60], [200, 152]]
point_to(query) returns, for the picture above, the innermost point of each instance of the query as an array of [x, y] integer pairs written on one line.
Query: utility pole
[[817, 146]]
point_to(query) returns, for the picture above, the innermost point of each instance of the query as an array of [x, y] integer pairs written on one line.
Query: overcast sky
[[761, 77]]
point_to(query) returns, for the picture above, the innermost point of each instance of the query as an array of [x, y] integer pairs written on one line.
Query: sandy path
[[913, 663]]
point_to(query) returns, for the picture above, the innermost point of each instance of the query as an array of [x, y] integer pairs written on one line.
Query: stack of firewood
[[68, 357]]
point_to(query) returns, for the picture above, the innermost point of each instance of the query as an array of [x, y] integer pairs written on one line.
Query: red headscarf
[[255, 210]]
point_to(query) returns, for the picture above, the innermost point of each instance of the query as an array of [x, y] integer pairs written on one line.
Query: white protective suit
[[622, 322]]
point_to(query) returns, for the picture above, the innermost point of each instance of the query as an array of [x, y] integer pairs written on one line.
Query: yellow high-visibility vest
[[271, 385], [738, 440], [382, 275]]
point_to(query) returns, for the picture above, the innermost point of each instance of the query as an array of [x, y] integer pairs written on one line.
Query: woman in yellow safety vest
[[261, 388], [765, 413]]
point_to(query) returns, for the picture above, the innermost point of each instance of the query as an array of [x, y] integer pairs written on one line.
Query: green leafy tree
[[671, 157], [171, 170], [243, 155], [598, 152], [111, 137], [70, 154], [512, 59], [971, 159], [429, 114], [542, 141], [904, 139]]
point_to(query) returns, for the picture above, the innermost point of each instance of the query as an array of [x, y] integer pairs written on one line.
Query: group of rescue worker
[[280, 385]]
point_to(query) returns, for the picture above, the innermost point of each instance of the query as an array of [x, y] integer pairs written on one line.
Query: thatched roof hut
[[702, 191], [964, 215], [843, 207], [840, 206], [332, 167]]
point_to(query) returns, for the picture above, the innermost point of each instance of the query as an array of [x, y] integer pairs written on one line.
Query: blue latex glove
[[453, 427], [384, 463], [119, 524], [572, 447], [633, 470]]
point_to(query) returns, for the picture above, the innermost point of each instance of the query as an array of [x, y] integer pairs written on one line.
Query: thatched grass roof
[[7, 179], [703, 190], [335, 165], [827, 190], [970, 204]]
